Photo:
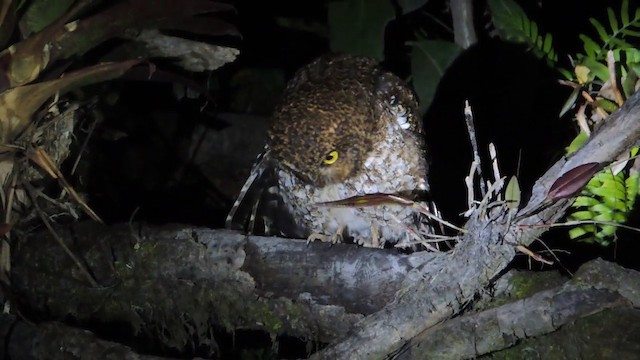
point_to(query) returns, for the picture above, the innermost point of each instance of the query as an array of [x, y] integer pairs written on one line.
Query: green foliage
[[615, 37], [606, 201], [42, 13], [513, 25], [577, 142], [357, 26], [429, 61], [610, 195]]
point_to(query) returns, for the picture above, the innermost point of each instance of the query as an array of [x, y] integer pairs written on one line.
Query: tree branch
[[285, 286], [431, 297]]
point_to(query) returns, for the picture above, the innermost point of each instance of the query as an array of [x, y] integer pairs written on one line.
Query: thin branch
[[463, 29]]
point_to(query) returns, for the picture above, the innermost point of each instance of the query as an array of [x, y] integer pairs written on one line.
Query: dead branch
[[499, 328]]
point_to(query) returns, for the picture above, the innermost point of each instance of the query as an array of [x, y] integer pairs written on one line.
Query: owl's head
[[327, 121], [320, 147]]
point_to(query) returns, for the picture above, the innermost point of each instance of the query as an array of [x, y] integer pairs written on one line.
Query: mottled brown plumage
[[344, 128]]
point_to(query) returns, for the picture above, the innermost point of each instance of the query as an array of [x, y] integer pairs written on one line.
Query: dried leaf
[[25, 61], [18, 104], [42, 159]]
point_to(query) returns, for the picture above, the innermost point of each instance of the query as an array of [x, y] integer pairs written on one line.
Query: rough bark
[[463, 29], [54, 340], [502, 327], [283, 286]]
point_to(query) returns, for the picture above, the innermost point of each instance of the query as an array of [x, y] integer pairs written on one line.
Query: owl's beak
[[335, 173]]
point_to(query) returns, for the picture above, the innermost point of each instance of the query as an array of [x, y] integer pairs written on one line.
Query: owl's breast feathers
[[344, 128]]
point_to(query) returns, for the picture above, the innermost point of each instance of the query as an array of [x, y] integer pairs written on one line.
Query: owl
[[343, 128]]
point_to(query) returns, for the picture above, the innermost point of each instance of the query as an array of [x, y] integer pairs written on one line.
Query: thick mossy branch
[[175, 282]]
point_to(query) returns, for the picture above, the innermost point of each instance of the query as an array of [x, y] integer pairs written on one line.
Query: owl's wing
[[258, 208]]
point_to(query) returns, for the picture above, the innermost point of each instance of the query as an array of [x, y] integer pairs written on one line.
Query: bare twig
[[613, 78], [31, 192], [471, 129], [494, 164]]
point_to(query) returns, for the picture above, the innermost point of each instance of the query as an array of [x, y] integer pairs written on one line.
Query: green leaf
[[608, 105], [512, 193], [429, 61], [577, 142], [624, 11], [510, 20], [42, 13], [533, 34], [513, 25], [591, 48], [600, 29], [357, 26], [619, 43], [578, 232], [613, 21], [631, 33], [546, 47], [586, 201], [598, 69]]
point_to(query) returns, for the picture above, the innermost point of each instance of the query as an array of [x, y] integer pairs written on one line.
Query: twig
[[468, 180], [613, 78], [5, 255], [468, 118], [582, 222], [496, 170], [85, 143], [531, 254], [31, 192]]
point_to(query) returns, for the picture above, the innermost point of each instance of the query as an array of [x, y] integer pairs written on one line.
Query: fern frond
[[619, 32], [607, 200], [513, 25]]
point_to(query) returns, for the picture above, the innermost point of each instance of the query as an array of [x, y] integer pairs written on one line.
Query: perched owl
[[344, 127]]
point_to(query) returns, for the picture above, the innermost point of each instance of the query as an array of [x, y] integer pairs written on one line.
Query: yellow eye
[[331, 157]]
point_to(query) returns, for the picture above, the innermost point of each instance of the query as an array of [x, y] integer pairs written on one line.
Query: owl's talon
[[333, 239], [318, 237]]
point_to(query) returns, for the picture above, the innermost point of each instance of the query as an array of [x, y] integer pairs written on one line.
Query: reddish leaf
[[571, 182], [366, 200]]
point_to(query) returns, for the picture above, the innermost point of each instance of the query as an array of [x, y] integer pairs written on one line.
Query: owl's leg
[[373, 241], [334, 239], [375, 236]]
